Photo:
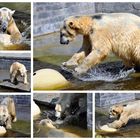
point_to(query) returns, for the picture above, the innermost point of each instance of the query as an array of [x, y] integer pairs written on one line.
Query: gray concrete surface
[[108, 99]]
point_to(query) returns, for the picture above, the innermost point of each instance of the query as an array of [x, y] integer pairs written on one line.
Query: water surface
[[110, 75]]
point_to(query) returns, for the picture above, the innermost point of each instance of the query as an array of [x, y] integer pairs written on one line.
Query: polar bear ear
[[12, 12]]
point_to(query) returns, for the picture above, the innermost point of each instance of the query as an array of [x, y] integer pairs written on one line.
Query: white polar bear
[[18, 69]]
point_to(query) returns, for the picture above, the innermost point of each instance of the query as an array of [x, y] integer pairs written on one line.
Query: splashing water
[[103, 75]]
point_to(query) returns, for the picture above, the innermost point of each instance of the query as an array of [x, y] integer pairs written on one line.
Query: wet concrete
[[7, 86], [48, 53]]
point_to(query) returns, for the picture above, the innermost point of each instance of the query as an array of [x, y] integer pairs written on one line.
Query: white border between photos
[[30, 52]]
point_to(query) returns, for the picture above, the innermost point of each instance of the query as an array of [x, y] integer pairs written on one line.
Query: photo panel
[[15, 72], [88, 49], [15, 116], [62, 115], [117, 115], [15, 32]]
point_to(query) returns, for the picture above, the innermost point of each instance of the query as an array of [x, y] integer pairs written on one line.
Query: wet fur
[[124, 114], [18, 69], [7, 108], [10, 25], [103, 33]]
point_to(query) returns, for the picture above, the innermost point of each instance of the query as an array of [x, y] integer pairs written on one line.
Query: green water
[[24, 7], [20, 128], [49, 53], [131, 82]]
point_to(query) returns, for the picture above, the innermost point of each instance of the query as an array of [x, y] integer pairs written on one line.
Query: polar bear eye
[[114, 111], [4, 115]]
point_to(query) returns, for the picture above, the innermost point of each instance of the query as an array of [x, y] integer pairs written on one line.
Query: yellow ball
[[2, 130], [5, 39], [108, 129], [36, 109], [48, 79]]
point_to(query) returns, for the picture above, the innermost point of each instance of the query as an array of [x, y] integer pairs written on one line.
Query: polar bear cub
[[18, 69]]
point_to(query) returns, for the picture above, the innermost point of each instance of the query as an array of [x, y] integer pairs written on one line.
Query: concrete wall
[[45, 97], [19, 99], [48, 17], [7, 61], [118, 7], [107, 99], [137, 96], [89, 111]]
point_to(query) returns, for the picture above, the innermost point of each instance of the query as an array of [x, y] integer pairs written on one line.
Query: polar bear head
[[5, 18], [115, 111]]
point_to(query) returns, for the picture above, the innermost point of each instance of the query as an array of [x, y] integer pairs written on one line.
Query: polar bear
[[9, 26], [124, 114], [103, 33], [18, 69], [7, 112]]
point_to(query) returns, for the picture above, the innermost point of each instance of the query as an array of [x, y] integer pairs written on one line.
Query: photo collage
[[69, 69]]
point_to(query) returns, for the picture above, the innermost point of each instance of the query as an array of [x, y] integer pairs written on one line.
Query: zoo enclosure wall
[[48, 17], [19, 99], [8, 58], [107, 99]]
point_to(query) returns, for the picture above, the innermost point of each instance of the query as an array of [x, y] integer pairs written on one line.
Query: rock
[[5, 40], [19, 87], [48, 79], [108, 129], [2, 130], [36, 110]]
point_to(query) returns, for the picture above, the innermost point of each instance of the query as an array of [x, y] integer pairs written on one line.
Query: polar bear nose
[[64, 40], [3, 29], [1, 123]]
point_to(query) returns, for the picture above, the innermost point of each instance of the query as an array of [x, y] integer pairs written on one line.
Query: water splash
[[97, 74]]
